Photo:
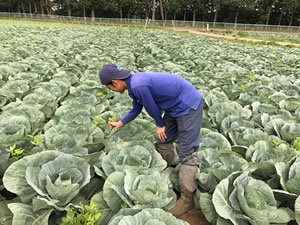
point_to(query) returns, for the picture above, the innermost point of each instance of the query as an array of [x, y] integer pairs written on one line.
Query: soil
[[194, 217], [229, 37]]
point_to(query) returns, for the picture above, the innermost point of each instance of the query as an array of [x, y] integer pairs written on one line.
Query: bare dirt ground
[[229, 37], [194, 217]]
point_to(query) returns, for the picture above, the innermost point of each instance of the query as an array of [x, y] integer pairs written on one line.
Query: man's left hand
[[161, 133]]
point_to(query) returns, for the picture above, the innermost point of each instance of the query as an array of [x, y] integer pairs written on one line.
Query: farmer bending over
[[182, 119]]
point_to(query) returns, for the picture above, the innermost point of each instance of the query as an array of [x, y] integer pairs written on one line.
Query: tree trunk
[[281, 13], [162, 13], [174, 16], [35, 8], [84, 13], [184, 15], [194, 16], [69, 7], [121, 13], [218, 8], [166, 12], [280, 17], [153, 13], [48, 8], [29, 5], [42, 8], [291, 20], [93, 14], [236, 16], [268, 14], [23, 7], [216, 17]]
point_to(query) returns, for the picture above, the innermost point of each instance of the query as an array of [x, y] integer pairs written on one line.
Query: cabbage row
[[53, 107]]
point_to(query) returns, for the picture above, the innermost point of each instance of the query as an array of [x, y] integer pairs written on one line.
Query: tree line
[[269, 12]]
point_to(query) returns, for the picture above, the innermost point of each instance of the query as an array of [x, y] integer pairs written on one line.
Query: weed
[[15, 153]]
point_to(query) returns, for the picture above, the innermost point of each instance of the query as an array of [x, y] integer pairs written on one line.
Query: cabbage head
[[129, 155], [213, 140], [12, 133], [148, 217], [217, 165], [265, 154], [138, 189], [49, 179], [139, 129], [289, 175], [243, 200], [64, 136], [221, 110], [246, 136]]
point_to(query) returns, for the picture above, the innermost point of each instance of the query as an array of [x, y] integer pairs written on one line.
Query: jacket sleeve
[[133, 113], [144, 95]]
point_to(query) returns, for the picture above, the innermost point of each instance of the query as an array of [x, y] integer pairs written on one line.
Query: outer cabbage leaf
[[106, 212], [5, 214], [23, 215], [297, 210]]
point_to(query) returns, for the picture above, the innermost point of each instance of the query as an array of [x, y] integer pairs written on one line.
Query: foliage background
[[275, 12]]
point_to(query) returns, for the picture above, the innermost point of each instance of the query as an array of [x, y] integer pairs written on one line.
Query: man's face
[[117, 86]]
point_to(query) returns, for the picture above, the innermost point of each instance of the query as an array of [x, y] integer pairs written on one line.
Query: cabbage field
[[56, 151]]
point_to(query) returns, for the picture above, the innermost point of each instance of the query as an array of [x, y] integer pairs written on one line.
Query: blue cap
[[111, 72]]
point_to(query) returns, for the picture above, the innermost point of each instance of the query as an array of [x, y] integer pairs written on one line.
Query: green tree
[[175, 6], [162, 12], [237, 5], [196, 6], [153, 11], [144, 6], [217, 7], [293, 7]]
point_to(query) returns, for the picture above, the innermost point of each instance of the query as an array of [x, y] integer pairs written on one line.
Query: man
[[182, 119]]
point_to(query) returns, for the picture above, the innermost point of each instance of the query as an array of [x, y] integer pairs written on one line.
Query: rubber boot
[[187, 184], [167, 152]]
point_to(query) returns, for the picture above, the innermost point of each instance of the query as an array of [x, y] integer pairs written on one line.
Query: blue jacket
[[160, 91]]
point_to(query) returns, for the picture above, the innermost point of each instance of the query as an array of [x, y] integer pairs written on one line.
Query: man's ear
[[114, 82]]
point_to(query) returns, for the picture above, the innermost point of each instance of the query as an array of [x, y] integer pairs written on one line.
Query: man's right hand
[[115, 125], [161, 133]]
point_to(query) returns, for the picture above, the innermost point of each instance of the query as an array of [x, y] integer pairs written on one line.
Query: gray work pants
[[186, 128]]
